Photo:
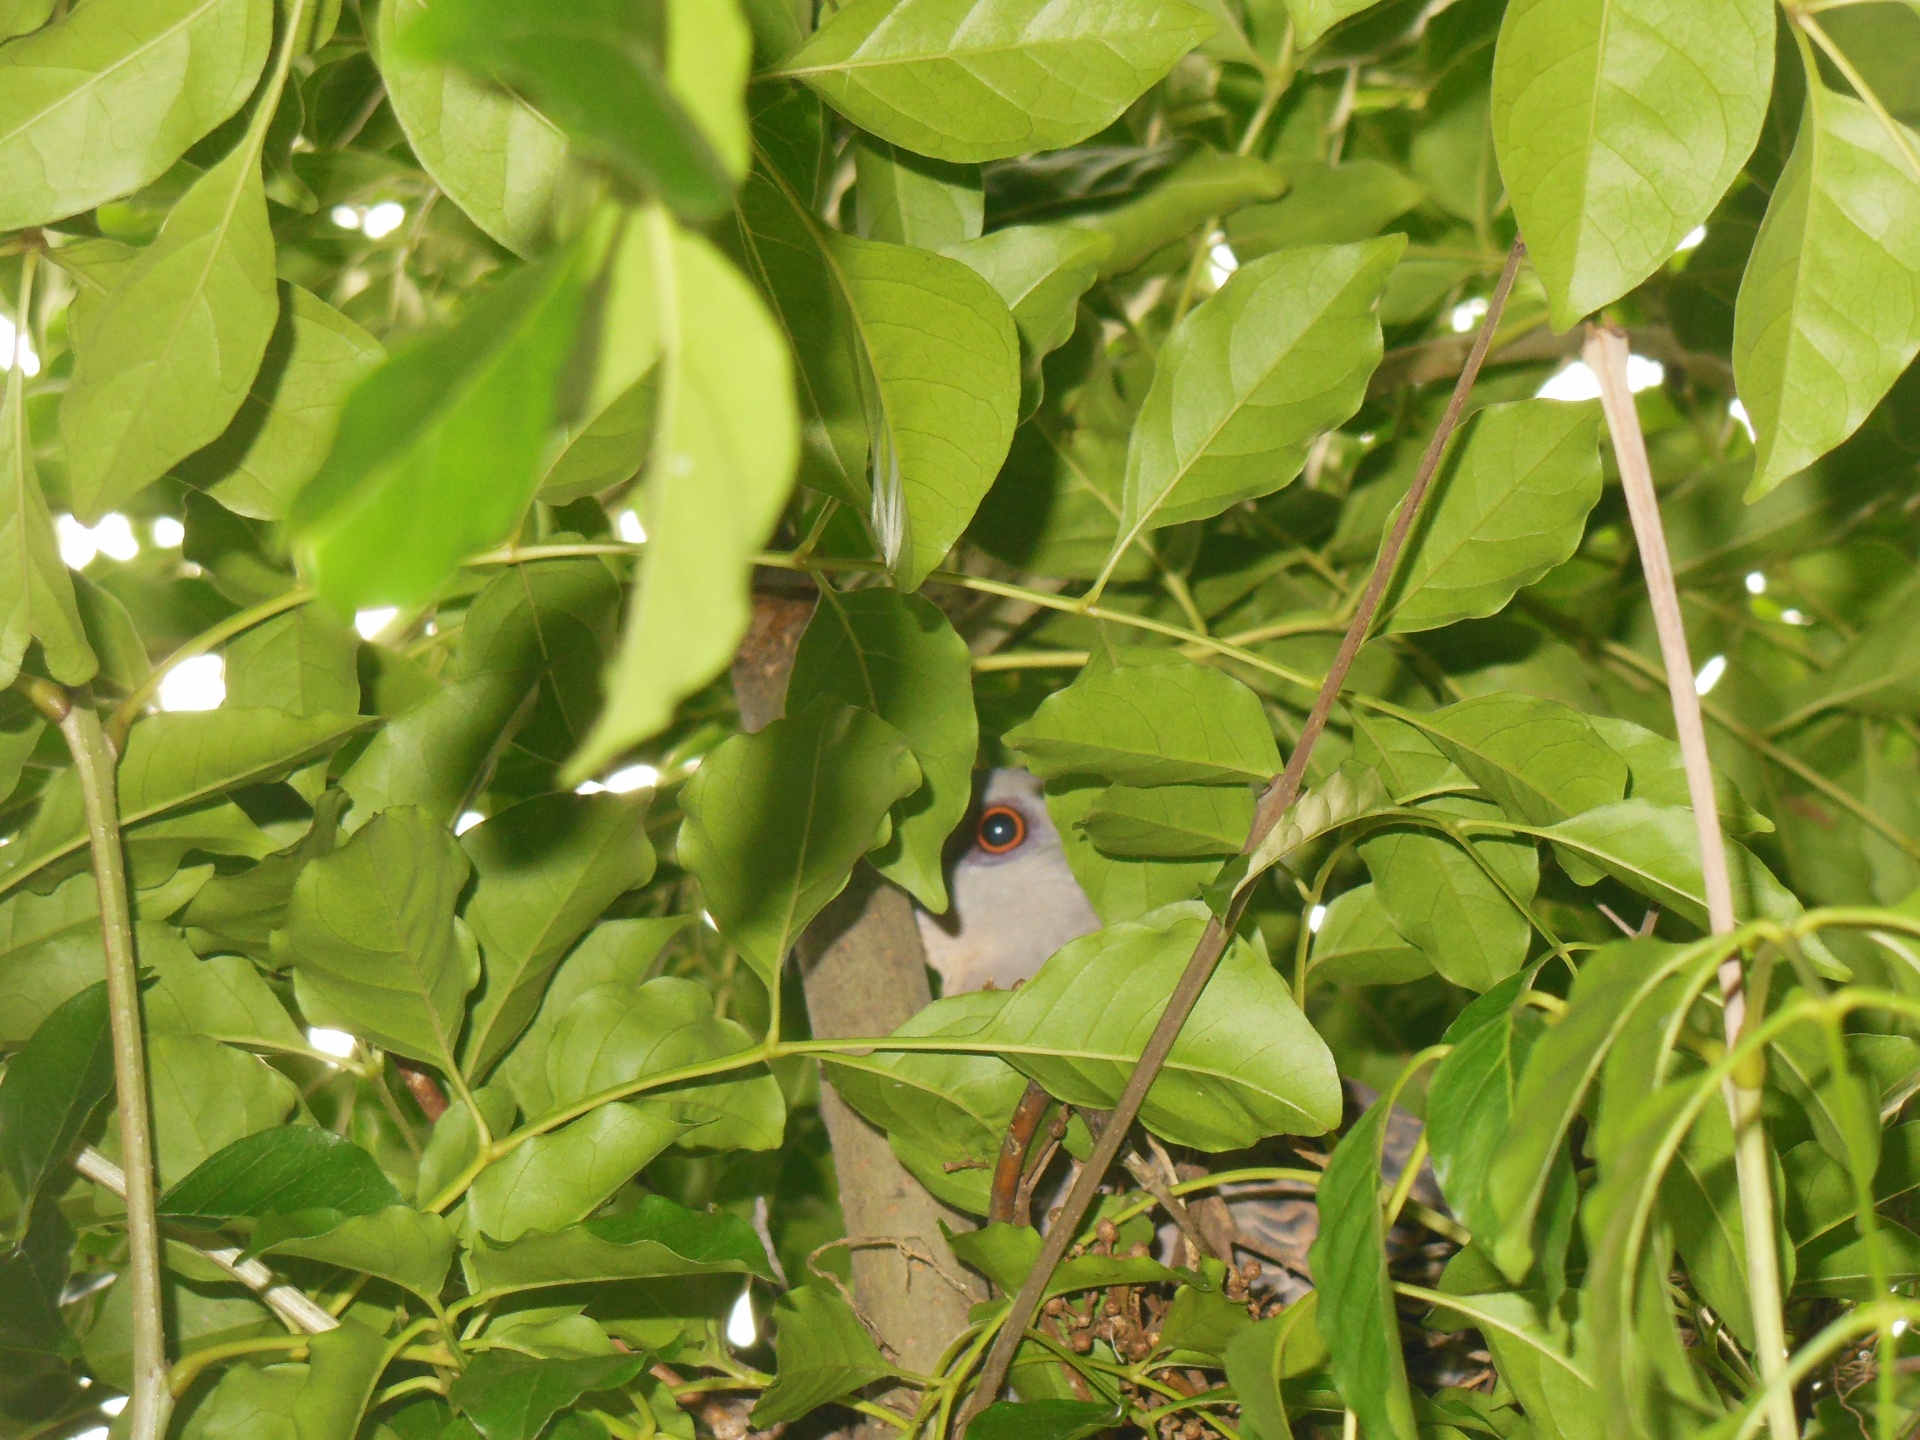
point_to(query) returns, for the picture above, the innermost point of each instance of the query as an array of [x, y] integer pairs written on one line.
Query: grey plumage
[[1013, 910], [1010, 911]]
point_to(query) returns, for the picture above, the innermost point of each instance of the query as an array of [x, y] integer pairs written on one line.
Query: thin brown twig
[[1279, 795], [1012, 1163]]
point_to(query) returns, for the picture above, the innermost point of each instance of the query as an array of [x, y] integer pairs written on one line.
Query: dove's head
[[1015, 901]]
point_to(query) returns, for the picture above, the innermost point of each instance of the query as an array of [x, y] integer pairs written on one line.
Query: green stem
[[93, 765], [191, 1366]]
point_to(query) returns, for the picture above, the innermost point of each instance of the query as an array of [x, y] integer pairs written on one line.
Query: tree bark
[[865, 974]]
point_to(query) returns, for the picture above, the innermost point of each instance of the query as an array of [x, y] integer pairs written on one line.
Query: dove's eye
[[1001, 828]]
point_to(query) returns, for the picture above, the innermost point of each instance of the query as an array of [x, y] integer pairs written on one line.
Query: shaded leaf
[[375, 946], [823, 1353], [1206, 184], [558, 1178], [1356, 944], [50, 1090], [511, 1397], [937, 1107], [897, 656], [1043, 1420], [174, 761], [655, 1238], [36, 588], [1356, 1314], [1539, 760], [410, 1247], [278, 1172], [1171, 820], [835, 770], [544, 871], [281, 432], [1167, 723]]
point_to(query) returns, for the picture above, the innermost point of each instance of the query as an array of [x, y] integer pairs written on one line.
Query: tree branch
[[1274, 803], [93, 765]]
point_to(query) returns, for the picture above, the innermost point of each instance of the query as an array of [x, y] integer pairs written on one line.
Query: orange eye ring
[[1001, 829]]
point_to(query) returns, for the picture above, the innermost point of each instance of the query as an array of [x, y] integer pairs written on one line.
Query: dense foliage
[[407, 403]]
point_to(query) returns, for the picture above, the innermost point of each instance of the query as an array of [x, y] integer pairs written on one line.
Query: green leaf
[[1118, 887], [1356, 944], [1613, 984], [1701, 1199], [174, 350], [1043, 1420], [1619, 125], [558, 1178], [499, 159], [1441, 897], [1470, 1097], [205, 1096], [243, 910], [1656, 851], [1246, 1065], [1325, 205], [33, 1275], [959, 80], [103, 102], [434, 755], [283, 427], [1657, 773], [1171, 820], [724, 445], [375, 946], [1172, 723], [663, 108], [50, 1090], [939, 1107], [410, 1247], [278, 1172], [36, 588], [1250, 377], [1356, 1313], [620, 953], [897, 656], [615, 1034], [1205, 185], [823, 1353], [511, 1397], [1538, 759], [222, 997], [906, 199], [1313, 18], [1829, 309], [303, 663], [544, 871], [440, 450], [776, 820], [656, 1238], [1040, 271], [1280, 1348], [174, 761], [940, 363], [1510, 503]]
